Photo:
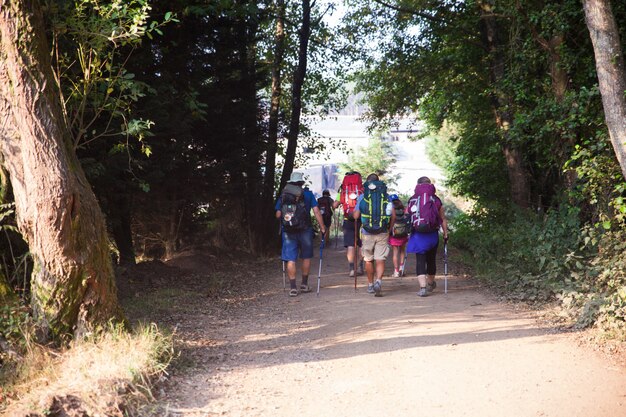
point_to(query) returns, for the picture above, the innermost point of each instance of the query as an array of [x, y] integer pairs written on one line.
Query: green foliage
[[540, 258], [376, 158], [92, 43]]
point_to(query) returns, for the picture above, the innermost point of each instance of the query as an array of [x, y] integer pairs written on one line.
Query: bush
[[546, 257]]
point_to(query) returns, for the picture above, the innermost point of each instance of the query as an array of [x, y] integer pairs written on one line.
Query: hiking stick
[[445, 265], [356, 252], [406, 254], [319, 273], [336, 228], [284, 279]]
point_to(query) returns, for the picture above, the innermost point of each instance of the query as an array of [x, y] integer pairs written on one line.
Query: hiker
[[325, 204], [399, 230], [293, 207], [350, 190], [375, 213], [427, 216]]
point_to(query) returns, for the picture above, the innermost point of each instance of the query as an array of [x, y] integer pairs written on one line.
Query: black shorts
[[327, 221], [348, 233], [426, 263]]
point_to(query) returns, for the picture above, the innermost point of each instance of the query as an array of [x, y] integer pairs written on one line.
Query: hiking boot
[[396, 274], [431, 286], [351, 273], [305, 288], [423, 292], [378, 288], [370, 288]]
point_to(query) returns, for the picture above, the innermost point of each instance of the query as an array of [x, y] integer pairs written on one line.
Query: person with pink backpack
[[427, 217]]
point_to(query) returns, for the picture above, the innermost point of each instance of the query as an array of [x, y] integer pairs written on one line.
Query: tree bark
[[610, 68], [73, 285], [501, 103], [272, 130], [296, 93]]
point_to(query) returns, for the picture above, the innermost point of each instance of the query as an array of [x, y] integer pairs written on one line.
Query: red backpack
[[351, 189], [424, 209]]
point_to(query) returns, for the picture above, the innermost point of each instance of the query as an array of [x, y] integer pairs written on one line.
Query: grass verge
[[110, 374]]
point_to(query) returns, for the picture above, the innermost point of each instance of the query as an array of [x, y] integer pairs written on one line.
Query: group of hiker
[[373, 222]]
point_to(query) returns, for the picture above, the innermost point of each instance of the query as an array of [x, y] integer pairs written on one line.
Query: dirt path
[[351, 354]]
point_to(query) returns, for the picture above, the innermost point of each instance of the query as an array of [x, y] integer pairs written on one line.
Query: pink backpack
[[424, 209]]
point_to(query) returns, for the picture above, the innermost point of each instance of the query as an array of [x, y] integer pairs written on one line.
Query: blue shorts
[[301, 242]]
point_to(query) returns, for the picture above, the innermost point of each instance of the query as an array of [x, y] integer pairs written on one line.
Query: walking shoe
[[423, 292], [305, 288], [396, 274], [351, 273], [378, 288], [293, 292], [431, 286], [370, 288]]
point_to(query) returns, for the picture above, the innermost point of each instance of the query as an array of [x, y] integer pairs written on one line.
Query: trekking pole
[[445, 265], [319, 273], [284, 279], [336, 228], [356, 253], [406, 254]]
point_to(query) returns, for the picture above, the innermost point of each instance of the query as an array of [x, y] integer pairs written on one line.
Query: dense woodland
[[134, 129]]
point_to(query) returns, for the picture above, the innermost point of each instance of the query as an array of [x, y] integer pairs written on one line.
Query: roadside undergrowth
[[552, 258], [109, 374]]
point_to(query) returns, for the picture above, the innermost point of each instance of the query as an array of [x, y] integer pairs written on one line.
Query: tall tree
[[304, 33], [607, 48], [73, 284]]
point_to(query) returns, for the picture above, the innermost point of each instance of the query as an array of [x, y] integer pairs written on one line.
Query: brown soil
[[253, 351]]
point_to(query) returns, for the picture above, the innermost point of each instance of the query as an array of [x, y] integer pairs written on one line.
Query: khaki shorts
[[375, 247]]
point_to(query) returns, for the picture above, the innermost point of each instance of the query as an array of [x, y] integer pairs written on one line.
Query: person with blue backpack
[[375, 213], [427, 217], [293, 207]]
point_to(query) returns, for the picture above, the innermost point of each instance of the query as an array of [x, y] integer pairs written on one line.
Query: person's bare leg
[[369, 269], [380, 269], [291, 270], [396, 258], [431, 279], [350, 254], [422, 280]]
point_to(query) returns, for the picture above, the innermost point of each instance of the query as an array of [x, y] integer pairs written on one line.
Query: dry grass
[[109, 373]]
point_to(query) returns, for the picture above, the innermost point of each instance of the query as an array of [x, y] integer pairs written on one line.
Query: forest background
[[176, 123]]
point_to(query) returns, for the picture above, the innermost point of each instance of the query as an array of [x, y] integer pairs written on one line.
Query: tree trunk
[[296, 93], [119, 214], [73, 286], [610, 68], [501, 103], [272, 130]]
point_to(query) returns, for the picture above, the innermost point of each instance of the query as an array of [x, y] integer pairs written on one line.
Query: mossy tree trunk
[[73, 287]]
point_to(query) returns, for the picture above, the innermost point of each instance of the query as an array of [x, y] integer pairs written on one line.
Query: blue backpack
[[372, 207]]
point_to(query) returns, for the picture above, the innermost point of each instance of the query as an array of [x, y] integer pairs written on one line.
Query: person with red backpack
[[325, 204], [427, 217], [347, 195], [293, 208]]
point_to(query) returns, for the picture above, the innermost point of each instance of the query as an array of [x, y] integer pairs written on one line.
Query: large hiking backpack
[[372, 207], [295, 217], [351, 189], [325, 205], [402, 225], [424, 209]]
